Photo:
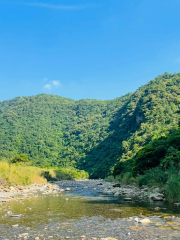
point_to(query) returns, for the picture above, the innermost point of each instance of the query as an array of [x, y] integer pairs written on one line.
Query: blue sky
[[85, 48]]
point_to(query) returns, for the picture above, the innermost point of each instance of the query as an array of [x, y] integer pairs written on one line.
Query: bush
[[126, 178], [22, 158], [155, 176], [109, 179], [70, 173], [173, 189], [49, 175]]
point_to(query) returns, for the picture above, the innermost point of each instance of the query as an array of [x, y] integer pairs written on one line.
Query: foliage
[[110, 179], [54, 131], [123, 167], [126, 178], [153, 177], [71, 173], [150, 113], [163, 152], [173, 189], [22, 158], [95, 135]]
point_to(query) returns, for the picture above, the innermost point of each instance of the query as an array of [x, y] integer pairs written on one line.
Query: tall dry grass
[[18, 174], [22, 175]]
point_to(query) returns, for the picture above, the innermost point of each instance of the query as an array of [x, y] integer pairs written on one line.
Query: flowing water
[[75, 205]]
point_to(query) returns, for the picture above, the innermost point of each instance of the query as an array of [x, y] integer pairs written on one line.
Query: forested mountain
[[53, 130], [151, 112], [92, 135]]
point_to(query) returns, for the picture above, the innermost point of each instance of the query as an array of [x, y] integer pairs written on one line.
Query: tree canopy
[[93, 135]]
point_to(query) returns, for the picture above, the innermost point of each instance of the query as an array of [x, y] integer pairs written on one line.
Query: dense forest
[[93, 135], [162, 153]]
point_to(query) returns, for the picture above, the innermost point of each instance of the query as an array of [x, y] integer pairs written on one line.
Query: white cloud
[[56, 83], [53, 6], [52, 84], [48, 86]]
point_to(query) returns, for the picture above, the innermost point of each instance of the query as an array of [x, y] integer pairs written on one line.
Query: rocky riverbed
[[8, 193], [83, 210]]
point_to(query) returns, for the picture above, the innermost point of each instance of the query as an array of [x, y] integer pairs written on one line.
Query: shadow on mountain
[[125, 123]]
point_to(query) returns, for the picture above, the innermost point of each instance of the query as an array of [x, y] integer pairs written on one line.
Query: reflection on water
[[47, 209]]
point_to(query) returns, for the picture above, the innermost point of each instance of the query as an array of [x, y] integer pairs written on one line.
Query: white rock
[[117, 193], [12, 188], [177, 204], [156, 190], [145, 220]]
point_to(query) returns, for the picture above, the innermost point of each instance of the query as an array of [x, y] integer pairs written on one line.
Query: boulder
[[116, 185], [177, 204], [156, 190], [157, 199], [117, 194], [128, 199], [156, 196]]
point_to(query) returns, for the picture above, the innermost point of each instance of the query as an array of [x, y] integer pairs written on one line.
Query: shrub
[[155, 176], [173, 189], [109, 179], [70, 173], [22, 158], [126, 178]]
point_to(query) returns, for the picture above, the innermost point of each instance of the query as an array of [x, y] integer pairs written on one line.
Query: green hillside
[[92, 135], [53, 130], [151, 112]]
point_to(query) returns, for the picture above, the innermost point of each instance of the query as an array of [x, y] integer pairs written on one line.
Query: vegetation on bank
[[168, 181], [158, 163], [21, 175], [19, 171]]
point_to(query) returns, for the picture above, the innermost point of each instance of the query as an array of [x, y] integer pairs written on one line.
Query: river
[[42, 215]]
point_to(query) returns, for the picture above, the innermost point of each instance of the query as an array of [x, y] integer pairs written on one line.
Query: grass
[[19, 174]]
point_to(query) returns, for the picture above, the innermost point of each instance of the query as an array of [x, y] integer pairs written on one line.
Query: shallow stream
[[77, 204]]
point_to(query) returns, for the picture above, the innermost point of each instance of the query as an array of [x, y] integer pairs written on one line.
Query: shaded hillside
[[93, 135], [163, 152], [152, 111]]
